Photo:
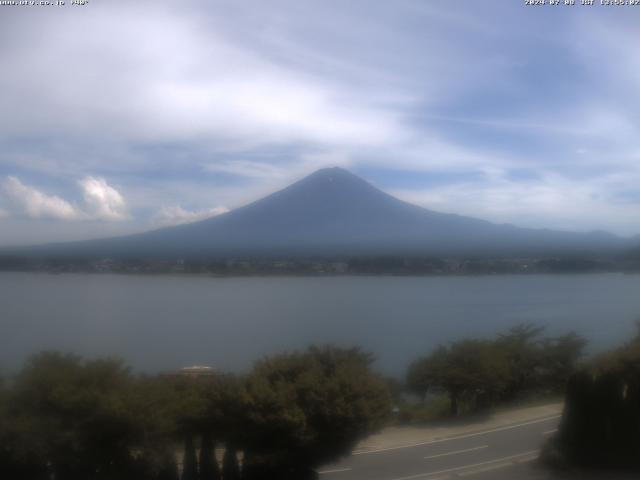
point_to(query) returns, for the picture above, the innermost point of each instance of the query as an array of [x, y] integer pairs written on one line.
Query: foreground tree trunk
[[190, 461], [453, 398], [230, 467], [169, 469], [209, 469]]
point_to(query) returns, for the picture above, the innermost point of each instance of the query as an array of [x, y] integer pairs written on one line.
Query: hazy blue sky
[[121, 116]]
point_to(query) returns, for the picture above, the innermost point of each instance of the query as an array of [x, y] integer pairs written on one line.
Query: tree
[[209, 469], [168, 469], [158, 407], [523, 350], [480, 373], [225, 403], [172, 408], [600, 425], [190, 461], [419, 379], [230, 467], [469, 370], [73, 419], [560, 356], [17, 459], [427, 373], [309, 408], [74, 416]]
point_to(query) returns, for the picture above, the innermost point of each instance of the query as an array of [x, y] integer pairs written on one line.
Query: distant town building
[[194, 371]]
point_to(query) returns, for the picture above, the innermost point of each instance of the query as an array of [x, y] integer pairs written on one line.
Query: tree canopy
[[74, 419], [481, 373], [312, 407], [600, 425]]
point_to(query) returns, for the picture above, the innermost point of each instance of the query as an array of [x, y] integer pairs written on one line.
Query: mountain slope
[[334, 212]]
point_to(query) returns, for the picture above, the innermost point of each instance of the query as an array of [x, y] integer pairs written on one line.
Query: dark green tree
[[481, 373], [600, 426], [230, 467], [168, 469], [560, 357], [209, 469], [18, 457], [306, 409], [426, 373], [522, 347], [74, 416], [470, 371], [189, 460]]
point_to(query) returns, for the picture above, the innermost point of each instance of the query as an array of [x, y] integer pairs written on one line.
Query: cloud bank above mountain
[[122, 116]]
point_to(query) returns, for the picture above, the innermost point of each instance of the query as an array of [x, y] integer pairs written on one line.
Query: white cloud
[[409, 87], [176, 215], [35, 204], [246, 168], [102, 201], [240, 86], [552, 201], [282, 173], [198, 82], [3, 214]]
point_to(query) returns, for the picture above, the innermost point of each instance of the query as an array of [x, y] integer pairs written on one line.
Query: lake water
[[166, 322]]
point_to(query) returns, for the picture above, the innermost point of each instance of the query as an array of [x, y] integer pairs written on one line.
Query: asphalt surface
[[504, 452]]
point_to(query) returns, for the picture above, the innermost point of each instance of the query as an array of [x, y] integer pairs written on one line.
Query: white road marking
[[457, 452], [468, 435], [526, 459], [336, 470], [487, 468], [549, 432], [497, 466], [498, 461]]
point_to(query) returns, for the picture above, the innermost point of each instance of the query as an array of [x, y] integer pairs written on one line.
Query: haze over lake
[[166, 322]]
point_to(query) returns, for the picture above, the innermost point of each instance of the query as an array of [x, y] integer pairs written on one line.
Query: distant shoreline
[[413, 266], [322, 275]]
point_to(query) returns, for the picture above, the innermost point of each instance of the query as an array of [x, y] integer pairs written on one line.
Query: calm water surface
[[165, 322]]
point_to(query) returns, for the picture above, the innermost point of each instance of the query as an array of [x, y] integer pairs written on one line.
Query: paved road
[[504, 452]]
